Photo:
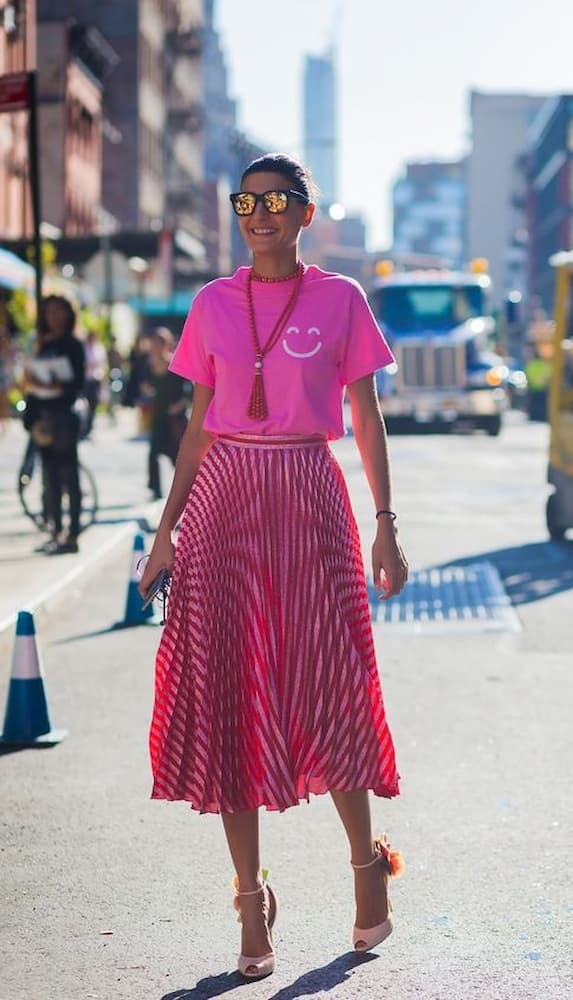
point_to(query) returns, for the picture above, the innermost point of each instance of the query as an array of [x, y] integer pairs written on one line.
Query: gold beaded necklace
[[257, 408]]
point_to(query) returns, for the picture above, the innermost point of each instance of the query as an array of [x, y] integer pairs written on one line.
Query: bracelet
[[390, 514]]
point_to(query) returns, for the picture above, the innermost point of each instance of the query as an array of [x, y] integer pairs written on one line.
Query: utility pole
[[34, 168]]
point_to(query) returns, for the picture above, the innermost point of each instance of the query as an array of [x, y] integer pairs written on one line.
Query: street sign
[[14, 92]]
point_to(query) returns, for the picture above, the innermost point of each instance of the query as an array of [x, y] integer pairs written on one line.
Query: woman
[[168, 415], [96, 374], [266, 682], [54, 380]]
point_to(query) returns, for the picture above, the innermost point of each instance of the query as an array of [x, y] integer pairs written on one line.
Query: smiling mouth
[[302, 354], [262, 231]]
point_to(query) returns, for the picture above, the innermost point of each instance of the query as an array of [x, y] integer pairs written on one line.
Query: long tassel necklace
[[257, 408]]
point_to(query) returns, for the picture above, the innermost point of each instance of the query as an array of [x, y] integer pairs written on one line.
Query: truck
[[440, 329]]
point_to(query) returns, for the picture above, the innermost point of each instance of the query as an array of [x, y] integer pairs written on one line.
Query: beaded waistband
[[272, 440]]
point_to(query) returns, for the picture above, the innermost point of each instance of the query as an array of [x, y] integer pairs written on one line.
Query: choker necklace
[[285, 277], [257, 408]]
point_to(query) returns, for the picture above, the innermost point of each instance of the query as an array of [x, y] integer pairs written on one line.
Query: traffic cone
[[27, 723], [135, 614]]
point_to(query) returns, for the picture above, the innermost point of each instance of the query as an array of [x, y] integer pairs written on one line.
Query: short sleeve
[[191, 359], [366, 349]]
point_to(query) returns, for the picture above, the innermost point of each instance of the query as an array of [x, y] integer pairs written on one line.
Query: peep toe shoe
[[263, 965], [365, 938]]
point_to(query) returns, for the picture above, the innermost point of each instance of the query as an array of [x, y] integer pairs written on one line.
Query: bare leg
[[242, 832], [370, 884]]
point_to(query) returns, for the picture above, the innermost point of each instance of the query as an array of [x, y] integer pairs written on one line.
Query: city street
[[108, 895]]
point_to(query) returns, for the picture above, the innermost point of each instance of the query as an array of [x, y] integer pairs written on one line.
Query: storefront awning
[[15, 273]]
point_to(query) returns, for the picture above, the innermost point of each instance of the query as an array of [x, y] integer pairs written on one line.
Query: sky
[[405, 72]]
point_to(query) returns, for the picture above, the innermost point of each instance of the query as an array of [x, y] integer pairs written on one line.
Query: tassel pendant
[[257, 408], [258, 405]]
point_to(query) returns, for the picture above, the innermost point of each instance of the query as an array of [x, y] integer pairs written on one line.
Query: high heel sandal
[[393, 864], [264, 965]]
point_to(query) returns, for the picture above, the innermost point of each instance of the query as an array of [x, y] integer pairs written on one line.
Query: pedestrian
[[267, 689], [6, 368], [169, 407], [116, 378], [538, 374], [96, 373], [137, 379], [54, 378]]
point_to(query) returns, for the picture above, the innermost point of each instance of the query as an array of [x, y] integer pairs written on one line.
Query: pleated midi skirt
[[266, 683]]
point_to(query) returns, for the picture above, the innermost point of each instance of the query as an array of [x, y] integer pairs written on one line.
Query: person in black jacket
[[170, 397], [55, 378]]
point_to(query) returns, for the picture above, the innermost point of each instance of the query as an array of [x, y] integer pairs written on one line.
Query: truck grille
[[430, 366]]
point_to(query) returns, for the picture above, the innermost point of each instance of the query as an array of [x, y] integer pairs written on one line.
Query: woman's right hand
[[162, 556]]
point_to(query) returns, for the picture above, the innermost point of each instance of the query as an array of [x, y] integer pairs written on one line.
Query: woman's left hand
[[389, 564]]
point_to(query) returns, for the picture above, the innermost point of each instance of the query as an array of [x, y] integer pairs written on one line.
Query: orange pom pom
[[393, 860], [396, 863]]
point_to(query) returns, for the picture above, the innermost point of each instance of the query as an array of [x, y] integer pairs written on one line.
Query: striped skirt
[[266, 685]]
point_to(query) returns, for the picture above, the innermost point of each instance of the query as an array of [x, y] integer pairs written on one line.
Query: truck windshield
[[415, 308]]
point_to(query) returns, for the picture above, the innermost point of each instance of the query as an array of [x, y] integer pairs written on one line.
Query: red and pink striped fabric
[[266, 686]]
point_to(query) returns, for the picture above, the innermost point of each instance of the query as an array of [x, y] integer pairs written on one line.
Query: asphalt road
[[107, 895]]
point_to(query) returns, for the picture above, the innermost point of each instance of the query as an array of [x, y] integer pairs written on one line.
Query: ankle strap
[[252, 892], [368, 863]]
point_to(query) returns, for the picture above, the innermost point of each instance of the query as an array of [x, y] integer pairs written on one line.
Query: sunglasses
[[275, 202]]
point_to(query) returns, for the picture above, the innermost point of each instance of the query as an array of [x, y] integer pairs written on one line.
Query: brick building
[[17, 53], [75, 61]]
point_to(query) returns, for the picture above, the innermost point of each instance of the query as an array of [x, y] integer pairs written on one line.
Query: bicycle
[[32, 494]]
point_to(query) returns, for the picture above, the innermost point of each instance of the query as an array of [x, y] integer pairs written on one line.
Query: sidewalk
[[29, 579]]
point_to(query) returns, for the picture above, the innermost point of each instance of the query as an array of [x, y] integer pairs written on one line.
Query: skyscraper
[[320, 132]]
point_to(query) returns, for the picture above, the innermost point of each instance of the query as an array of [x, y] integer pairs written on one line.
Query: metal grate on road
[[448, 599]]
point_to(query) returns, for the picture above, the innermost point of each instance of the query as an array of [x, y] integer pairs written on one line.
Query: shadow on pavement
[[116, 627], [7, 748], [115, 506], [140, 521], [317, 981], [530, 572]]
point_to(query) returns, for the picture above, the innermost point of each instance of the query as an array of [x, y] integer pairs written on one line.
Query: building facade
[[550, 195], [184, 139], [75, 62], [156, 42], [222, 240], [499, 129], [337, 244], [320, 137], [429, 211], [143, 228], [17, 54]]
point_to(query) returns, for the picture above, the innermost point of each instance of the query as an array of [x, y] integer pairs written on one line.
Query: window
[[419, 308]]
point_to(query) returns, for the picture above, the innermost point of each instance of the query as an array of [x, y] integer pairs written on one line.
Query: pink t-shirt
[[330, 339]]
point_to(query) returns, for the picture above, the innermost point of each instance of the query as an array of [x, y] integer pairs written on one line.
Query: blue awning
[[15, 273], [177, 304]]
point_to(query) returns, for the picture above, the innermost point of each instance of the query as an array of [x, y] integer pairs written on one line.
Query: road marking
[[448, 599]]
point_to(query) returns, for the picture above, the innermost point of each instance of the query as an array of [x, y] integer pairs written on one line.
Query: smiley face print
[[302, 344]]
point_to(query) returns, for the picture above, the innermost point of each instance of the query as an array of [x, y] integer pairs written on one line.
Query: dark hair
[[300, 177], [61, 301], [163, 335]]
